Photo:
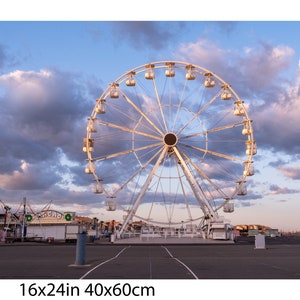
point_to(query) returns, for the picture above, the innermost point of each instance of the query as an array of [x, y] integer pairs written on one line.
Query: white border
[[164, 289], [104, 10]]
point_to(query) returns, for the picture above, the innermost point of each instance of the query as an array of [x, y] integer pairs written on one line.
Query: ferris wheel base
[[158, 240], [220, 231], [213, 232]]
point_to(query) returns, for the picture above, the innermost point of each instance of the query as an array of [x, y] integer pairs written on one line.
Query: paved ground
[[280, 260]]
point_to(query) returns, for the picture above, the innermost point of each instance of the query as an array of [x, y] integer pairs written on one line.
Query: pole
[[24, 219], [80, 248]]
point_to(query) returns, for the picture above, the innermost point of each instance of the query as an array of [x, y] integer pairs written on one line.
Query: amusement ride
[[170, 143]]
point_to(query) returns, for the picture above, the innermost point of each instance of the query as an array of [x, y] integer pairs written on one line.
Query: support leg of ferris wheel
[[209, 213], [143, 191]]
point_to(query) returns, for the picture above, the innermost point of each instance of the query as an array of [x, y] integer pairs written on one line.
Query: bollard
[[112, 238], [260, 241], [80, 248]]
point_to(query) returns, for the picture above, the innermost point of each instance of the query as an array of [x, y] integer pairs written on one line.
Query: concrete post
[[260, 241], [80, 248]]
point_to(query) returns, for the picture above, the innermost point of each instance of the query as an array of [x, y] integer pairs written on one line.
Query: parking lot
[[279, 260]]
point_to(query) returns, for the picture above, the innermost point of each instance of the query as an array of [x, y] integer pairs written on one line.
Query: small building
[[272, 233], [51, 225], [255, 229], [253, 232]]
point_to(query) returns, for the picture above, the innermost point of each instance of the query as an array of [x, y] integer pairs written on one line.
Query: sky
[[51, 72]]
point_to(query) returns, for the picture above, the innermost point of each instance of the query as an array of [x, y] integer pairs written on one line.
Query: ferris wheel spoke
[[179, 105], [122, 128], [133, 119], [221, 128], [121, 153], [183, 189], [203, 175], [142, 114], [160, 191], [214, 153], [138, 171], [144, 189], [199, 112], [198, 192], [159, 104]]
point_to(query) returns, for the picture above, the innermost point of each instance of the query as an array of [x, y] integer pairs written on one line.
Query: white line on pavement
[[104, 262]]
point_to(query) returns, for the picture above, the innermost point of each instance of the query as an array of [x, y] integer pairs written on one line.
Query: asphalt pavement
[[279, 260]]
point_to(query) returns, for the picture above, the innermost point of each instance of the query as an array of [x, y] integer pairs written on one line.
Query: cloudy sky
[[52, 72]]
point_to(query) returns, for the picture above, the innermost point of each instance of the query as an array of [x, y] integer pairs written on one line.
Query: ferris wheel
[[169, 142]]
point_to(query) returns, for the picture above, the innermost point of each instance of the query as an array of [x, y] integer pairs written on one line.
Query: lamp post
[[24, 219], [6, 209]]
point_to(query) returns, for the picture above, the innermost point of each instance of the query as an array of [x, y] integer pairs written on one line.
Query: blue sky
[[52, 72]]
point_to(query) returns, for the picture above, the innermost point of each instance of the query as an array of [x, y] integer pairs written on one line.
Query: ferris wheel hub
[[170, 139]]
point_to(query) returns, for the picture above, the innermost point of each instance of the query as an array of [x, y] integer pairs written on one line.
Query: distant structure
[[255, 229]]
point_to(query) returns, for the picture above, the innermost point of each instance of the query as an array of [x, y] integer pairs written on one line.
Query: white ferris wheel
[[169, 143]]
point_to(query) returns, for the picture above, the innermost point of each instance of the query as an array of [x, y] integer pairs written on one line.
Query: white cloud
[[42, 113], [203, 52], [25, 90], [275, 190], [277, 123], [292, 172], [29, 177]]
